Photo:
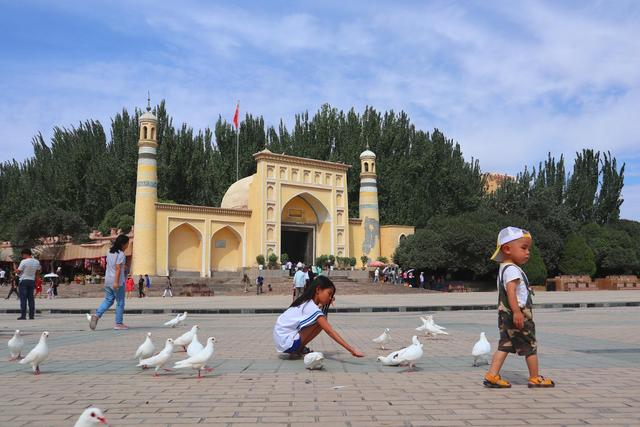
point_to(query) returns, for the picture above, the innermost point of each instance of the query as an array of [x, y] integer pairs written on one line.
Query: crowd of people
[[396, 276]]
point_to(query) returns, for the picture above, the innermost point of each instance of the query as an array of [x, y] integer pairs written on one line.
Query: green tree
[[632, 229], [583, 185], [577, 258], [52, 228], [535, 269], [120, 212], [614, 250], [125, 223], [609, 198]]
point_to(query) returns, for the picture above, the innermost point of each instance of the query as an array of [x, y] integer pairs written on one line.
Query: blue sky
[[510, 81]]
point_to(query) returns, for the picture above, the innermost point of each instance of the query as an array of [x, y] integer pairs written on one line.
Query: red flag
[[235, 116]]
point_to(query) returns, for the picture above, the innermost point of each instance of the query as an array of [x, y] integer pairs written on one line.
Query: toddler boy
[[515, 316]]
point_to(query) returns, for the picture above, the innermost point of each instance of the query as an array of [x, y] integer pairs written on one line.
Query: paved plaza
[[592, 353]]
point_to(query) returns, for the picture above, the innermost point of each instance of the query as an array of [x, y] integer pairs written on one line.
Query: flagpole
[[237, 145]]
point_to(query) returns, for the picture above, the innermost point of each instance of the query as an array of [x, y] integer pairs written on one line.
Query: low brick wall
[[584, 283]]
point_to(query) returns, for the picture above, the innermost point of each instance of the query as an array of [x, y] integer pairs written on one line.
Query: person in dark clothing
[[14, 288], [141, 293]]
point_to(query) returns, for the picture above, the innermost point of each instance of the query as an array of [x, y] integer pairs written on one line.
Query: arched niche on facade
[[185, 248], [226, 250]]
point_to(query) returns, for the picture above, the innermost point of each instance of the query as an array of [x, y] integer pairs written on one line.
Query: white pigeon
[[391, 359], [38, 354], [199, 360], [178, 320], [429, 318], [430, 328], [412, 353], [434, 329], [383, 339], [185, 339], [146, 349], [159, 360], [313, 360], [195, 346], [91, 417], [481, 351], [88, 317], [15, 345]]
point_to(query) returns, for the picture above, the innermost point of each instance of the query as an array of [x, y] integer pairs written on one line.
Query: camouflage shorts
[[514, 340]]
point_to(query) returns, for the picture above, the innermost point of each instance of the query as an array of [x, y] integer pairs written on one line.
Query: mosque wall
[[390, 236], [197, 239]]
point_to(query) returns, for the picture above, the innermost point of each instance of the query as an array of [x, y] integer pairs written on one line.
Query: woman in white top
[[114, 283], [306, 317]]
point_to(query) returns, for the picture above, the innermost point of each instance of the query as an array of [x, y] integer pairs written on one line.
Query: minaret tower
[[144, 240], [369, 205]]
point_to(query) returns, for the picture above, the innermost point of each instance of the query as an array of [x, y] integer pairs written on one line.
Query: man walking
[[299, 281], [27, 270]]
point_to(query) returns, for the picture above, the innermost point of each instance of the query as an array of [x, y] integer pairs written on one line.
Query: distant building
[[291, 205], [495, 180]]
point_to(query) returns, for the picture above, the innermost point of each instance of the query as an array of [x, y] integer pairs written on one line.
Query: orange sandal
[[540, 382], [495, 381]]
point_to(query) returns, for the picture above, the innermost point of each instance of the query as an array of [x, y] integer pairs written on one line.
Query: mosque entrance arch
[[303, 219]]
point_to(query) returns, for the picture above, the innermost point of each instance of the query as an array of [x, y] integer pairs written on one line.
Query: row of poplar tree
[[86, 176]]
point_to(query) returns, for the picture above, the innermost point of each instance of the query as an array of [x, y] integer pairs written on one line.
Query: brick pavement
[[592, 353], [442, 301]]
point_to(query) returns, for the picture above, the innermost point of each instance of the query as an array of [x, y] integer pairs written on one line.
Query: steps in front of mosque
[[229, 283]]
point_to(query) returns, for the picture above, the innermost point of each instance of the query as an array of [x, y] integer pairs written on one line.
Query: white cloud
[[509, 81], [630, 208]]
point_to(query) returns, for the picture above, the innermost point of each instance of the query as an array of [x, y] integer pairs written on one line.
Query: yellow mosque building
[[291, 205]]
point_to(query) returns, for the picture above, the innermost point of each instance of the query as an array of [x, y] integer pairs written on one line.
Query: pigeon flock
[[409, 355], [199, 355]]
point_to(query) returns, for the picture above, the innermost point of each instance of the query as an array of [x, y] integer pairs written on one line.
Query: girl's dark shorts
[[294, 347]]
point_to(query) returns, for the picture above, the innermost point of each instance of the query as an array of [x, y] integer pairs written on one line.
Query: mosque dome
[[237, 196], [368, 154], [148, 115]]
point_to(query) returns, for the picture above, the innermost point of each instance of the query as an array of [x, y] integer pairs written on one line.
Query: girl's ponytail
[[318, 282]]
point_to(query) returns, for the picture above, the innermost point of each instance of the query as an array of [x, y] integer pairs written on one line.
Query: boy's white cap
[[507, 235]]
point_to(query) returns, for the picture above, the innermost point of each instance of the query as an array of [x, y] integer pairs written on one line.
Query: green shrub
[[260, 259], [535, 269], [577, 258], [273, 260]]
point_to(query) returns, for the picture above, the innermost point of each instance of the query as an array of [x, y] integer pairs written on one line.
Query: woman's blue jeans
[[111, 295]]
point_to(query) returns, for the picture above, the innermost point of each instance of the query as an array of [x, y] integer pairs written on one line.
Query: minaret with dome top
[[144, 242], [369, 205]]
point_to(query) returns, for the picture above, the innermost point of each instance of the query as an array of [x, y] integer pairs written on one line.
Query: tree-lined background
[[89, 171]]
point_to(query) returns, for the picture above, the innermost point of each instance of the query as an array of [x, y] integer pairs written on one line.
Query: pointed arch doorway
[[303, 218], [298, 242]]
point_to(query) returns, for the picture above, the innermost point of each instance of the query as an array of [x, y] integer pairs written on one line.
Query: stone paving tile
[[252, 385]]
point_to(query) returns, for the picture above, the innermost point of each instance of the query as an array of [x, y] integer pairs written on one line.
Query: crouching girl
[[306, 317]]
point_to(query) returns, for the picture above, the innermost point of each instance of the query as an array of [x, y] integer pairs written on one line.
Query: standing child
[[38, 286], [114, 283], [50, 291], [246, 282], [14, 288], [141, 293], [515, 315], [259, 282], [167, 289], [306, 318], [129, 286]]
